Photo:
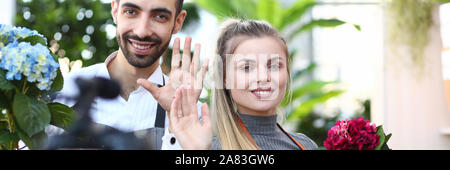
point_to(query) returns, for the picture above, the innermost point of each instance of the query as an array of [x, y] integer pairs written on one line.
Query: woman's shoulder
[[307, 142]]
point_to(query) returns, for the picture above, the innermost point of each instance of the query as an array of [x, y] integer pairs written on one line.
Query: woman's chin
[[261, 108]]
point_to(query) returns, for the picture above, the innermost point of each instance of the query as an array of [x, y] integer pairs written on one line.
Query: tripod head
[[85, 134]]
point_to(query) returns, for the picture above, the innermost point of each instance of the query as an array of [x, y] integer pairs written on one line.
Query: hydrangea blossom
[[23, 59], [11, 34], [356, 134]]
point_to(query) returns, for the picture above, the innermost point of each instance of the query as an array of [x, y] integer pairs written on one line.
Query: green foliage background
[[71, 19]]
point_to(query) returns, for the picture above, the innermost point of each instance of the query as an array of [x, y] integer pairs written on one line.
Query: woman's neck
[[259, 125], [248, 111]]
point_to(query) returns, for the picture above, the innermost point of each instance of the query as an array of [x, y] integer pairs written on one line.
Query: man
[[144, 31]]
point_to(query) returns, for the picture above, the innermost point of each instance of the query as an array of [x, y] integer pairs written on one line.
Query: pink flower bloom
[[356, 134]]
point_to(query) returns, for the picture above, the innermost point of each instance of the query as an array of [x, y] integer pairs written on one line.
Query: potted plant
[[29, 74]]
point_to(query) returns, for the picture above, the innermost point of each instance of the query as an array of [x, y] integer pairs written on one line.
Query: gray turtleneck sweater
[[268, 136]]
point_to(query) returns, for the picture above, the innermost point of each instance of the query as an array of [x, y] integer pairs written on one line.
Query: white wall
[[413, 106], [7, 11]]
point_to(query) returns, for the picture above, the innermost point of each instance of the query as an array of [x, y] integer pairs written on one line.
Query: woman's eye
[[274, 66], [246, 68]]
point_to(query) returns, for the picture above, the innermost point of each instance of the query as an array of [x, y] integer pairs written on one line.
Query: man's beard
[[142, 61]]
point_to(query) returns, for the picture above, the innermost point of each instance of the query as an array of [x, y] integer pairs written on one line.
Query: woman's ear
[[179, 20]]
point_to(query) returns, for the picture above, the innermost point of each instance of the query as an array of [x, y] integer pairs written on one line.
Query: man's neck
[[120, 70]]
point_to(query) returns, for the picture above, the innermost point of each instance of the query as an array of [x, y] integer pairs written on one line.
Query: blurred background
[[387, 61]]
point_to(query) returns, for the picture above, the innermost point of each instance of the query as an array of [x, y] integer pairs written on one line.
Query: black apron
[[151, 139]]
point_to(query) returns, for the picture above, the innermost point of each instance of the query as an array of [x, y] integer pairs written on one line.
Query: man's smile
[[141, 47]]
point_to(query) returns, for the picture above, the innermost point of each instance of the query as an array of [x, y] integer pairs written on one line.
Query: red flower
[[356, 134]]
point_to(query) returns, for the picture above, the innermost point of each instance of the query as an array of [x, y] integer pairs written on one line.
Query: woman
[[252, 66]]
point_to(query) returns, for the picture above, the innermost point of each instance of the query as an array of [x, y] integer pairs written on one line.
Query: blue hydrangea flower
[[23, 59], [6, 34], [32, 61], [11, 34]]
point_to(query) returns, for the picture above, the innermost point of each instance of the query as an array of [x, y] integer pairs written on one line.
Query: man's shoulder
[[86, 72], [70, 87]]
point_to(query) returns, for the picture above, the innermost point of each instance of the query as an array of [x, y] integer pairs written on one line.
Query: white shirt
[[138, 113]]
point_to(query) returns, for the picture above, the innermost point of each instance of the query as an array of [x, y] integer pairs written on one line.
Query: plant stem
[[24, 89], [11, 126], [10, 121]]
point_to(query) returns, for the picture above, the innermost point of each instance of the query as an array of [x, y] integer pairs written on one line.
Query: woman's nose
[[263, 75]]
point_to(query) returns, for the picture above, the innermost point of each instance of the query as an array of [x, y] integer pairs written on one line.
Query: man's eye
[[130, 12], [161, 17]]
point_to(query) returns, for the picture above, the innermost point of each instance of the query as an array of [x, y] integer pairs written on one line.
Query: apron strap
[[160, 113], [241, 124], [292, 138], [246, 132]]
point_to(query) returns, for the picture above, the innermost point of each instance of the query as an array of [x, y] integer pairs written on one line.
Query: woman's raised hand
[[184, 121]]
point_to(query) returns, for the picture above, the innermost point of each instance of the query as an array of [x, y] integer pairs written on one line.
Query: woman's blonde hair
[[229, 132]]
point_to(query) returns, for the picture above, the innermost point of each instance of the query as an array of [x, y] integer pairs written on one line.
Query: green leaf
[[295, 13], [307, 70], [310, 87], [37, 141], [245, 8], [33, 40], [32, 116], [307, 106], [58, 83], [269, 10], [383, 139], [62, 115], [357, 27], [381, 134], [3, 102], [33, 91], [388, 137], [441, 1], [4, 83], [316, 23], [3, 125], [55, 57], [291, 57], [385, 146], [192, 17], [6, 137], [220, 8]]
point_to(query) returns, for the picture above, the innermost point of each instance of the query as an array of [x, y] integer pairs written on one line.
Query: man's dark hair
[[179, 6]]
